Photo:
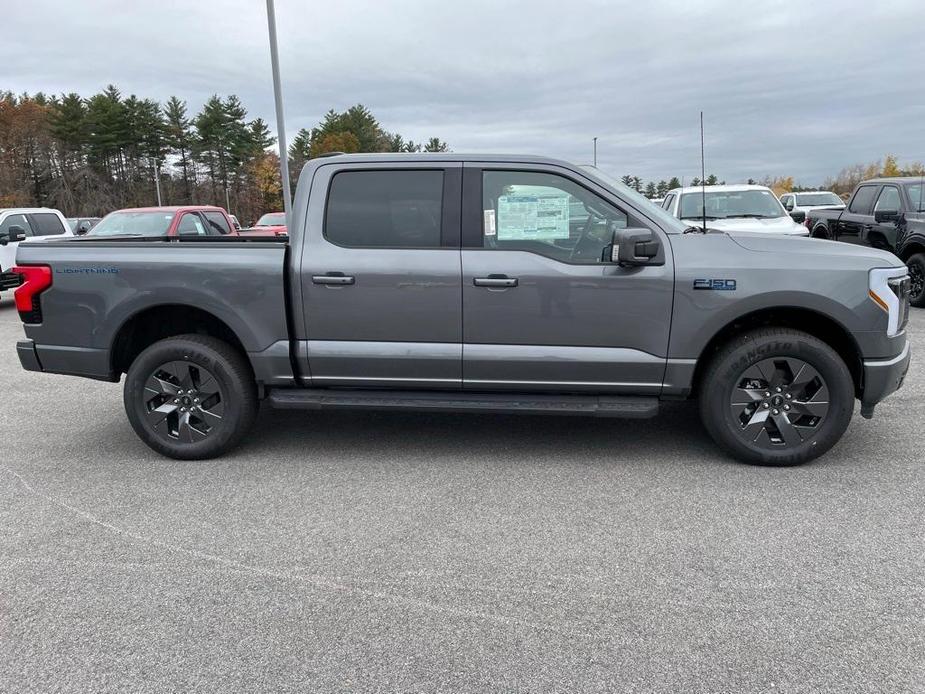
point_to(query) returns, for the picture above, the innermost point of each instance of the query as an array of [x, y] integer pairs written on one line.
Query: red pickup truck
[[270, 224], [190, 220]]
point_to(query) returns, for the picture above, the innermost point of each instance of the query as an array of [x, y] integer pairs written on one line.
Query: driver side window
[[546, 214]]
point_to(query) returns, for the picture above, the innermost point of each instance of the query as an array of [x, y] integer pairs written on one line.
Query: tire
[[820, 232], [916, 265], [190, 397], [809, 413]]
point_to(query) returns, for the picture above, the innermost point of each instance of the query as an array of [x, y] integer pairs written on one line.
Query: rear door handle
[[336, 278], [495, 281]]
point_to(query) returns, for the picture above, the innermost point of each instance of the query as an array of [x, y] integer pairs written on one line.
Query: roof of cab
[[172, 208]]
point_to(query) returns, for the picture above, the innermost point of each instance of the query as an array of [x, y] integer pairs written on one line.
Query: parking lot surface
[[449, 553]]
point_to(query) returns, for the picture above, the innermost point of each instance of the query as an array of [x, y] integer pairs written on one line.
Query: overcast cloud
[[788, 88]]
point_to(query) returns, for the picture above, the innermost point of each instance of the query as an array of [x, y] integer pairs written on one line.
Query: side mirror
[[886, 215], [12, 235], [799, 216], [82, 228], [633, 248]]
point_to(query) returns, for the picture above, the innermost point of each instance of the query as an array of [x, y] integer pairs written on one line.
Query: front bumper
[[882, 377]]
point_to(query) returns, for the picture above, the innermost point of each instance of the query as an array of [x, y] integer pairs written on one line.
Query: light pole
[[280, 121], [157, 180], [595, 152]]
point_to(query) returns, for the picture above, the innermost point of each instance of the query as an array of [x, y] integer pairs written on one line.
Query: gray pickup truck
[[505, 284]]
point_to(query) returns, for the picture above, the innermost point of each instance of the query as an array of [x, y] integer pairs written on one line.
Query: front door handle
[[335, 278], [495, 281]]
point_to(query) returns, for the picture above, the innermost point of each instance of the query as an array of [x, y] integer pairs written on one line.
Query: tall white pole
[[595, 152], [157, 181], [280, 120]]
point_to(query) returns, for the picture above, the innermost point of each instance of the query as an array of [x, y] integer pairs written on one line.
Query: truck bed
[[105, 288]]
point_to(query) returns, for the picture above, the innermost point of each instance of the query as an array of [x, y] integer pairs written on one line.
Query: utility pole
[[595, 152], [157, 181], [280, 121]]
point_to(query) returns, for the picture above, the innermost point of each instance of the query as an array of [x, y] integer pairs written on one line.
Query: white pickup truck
[[35, 223], [732, 208]]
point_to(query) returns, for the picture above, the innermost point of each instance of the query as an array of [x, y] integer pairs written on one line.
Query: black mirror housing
[[12, 235], [635, 247], [886, 216], [799, 216]]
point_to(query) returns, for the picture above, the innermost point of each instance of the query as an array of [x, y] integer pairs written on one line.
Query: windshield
[[916, 192], [652, 210], [818, 199], [727, 204], [272, 219], [133, 223]]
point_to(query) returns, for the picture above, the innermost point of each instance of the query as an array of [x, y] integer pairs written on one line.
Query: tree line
[[90, 155], [842, 183]]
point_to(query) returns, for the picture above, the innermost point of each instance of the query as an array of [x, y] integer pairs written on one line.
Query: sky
[[787, 88]]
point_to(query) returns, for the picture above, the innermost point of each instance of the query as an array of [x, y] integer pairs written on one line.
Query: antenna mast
[[703, 183]]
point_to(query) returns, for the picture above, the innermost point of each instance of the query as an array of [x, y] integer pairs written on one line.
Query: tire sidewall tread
[[225, 363], [730, 362]]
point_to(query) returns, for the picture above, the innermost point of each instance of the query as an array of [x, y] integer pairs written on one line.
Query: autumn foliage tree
[[89, 155]]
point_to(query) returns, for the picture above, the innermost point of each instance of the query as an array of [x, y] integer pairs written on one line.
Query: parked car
[[34, 223], [459, 283], [798, 205], [885, 213], [81, 225], [270, 224], [732, 208], [189, 220]]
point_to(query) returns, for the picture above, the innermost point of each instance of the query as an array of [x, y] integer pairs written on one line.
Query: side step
[[630, 407]]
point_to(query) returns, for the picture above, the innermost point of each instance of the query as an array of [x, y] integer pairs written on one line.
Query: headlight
[[889, 289]]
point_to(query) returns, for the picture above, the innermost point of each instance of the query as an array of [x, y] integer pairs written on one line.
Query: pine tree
[[179, 138]]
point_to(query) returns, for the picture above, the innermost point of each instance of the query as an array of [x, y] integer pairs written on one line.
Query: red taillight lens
[[35, 280]]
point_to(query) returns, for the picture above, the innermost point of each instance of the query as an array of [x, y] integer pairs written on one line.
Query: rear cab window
[[46, 224]]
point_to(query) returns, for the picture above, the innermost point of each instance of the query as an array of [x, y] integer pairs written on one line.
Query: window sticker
[[490, 223], [537, 217]]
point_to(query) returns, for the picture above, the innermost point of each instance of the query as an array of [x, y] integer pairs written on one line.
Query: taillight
[[35, 280]]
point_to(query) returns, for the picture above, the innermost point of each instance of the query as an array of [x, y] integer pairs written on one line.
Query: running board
[[630, 407]]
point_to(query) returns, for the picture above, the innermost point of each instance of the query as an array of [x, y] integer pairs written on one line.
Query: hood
[[777, 225], [769, 243]]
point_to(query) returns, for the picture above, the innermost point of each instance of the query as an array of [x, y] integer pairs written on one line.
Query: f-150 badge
[[716, 285]]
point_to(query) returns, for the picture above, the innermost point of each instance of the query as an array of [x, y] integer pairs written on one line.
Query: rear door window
[[385, 209], [861, 202], [46, 224]]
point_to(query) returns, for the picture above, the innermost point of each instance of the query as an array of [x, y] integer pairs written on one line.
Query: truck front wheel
[[916, 265], [776, 396], [190, 397]]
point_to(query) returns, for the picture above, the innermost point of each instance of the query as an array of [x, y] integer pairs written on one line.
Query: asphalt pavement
[[352, 552]]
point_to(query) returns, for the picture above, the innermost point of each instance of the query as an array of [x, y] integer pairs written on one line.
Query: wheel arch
[[812, 322], [149, 325], [910, 249]]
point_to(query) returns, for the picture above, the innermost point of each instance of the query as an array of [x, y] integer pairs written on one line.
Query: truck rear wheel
[[190, 397], [776, 396], [916, 265]]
